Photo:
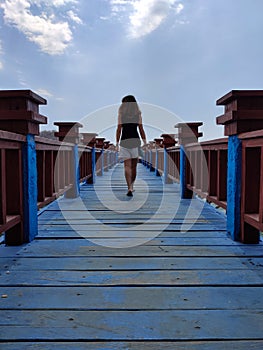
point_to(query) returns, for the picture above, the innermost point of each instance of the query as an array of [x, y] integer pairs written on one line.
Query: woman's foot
[[129, 193]]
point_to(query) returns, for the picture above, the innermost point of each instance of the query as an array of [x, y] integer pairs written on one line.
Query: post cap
[[89, 138], [19, 111], [188, 132], [100, 142], [106, 144], [151, 144], [168, 140], [243, 111], [158, 142], [68, 131]]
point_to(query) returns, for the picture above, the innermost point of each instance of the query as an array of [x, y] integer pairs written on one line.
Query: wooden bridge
[[161, 270]]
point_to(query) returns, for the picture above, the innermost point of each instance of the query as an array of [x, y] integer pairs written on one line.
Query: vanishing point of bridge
[[164, 269]]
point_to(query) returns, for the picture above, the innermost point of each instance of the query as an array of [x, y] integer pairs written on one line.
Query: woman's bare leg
[[128, 173], [134, 162]]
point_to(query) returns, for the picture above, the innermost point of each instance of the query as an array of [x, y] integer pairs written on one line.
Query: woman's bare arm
[[141, 130], [118, 131]]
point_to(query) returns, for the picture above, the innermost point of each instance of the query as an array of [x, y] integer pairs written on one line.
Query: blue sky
[[180, 56]]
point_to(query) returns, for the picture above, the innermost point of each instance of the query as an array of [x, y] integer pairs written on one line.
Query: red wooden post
[[243, 113], [158, 146], [100, 142], [158, 142], [106, 144], [106, 155], [41, 160], [69, 133], [49, 174], [168, 141], [99, 155], [151, 147], [19, 113], [2, 188], [187, 133], [111, 153], [89, 139]]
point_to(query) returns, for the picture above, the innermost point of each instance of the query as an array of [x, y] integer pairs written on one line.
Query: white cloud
[[74, 17], [21, 76], [119, 2], [145, 15], [44, 29], [55, 3], [119, 5], [60, 99], [44, 92]]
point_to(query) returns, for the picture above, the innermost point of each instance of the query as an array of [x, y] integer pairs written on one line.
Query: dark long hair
[[129, 107]]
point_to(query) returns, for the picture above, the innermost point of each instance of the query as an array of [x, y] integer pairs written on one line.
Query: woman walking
[[129, 121]]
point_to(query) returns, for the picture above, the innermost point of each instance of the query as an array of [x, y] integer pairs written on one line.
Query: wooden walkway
[[150, 272]]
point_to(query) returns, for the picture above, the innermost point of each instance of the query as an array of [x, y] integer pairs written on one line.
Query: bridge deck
[[148, 272]]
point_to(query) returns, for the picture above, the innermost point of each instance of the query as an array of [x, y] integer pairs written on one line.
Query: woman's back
[[129, 135]]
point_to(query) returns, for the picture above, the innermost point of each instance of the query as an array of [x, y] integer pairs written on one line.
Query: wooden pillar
[[100, 157], [143, 155], [106, 157], [168, 141], [158, 146], [19, 113], [243, 113], [151, 146], [69, 132], [187, 133], [89, 139], [111, 154]]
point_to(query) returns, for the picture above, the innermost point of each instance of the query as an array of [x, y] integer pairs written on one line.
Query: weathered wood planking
[[103, 232], [132, 263], [102, 226], [100, 237], [189, 287], [136, 298], [132, 325], [142, 345], [83, 247], [133, 278]]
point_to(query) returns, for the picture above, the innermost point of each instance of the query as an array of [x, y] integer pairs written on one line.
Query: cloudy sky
[[177, 56]]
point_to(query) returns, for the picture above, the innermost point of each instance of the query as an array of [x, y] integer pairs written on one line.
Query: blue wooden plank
[[145, 345], [148, 238], [185, 290], [88, 263], [132, 325], [133, 278], [136, 298], [76, 247]]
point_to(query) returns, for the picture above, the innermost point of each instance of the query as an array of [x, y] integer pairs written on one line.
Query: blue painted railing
[[35, 170], [11, 186], [228, 171]]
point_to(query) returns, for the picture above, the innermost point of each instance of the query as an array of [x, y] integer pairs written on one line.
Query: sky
[[177, 57]]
